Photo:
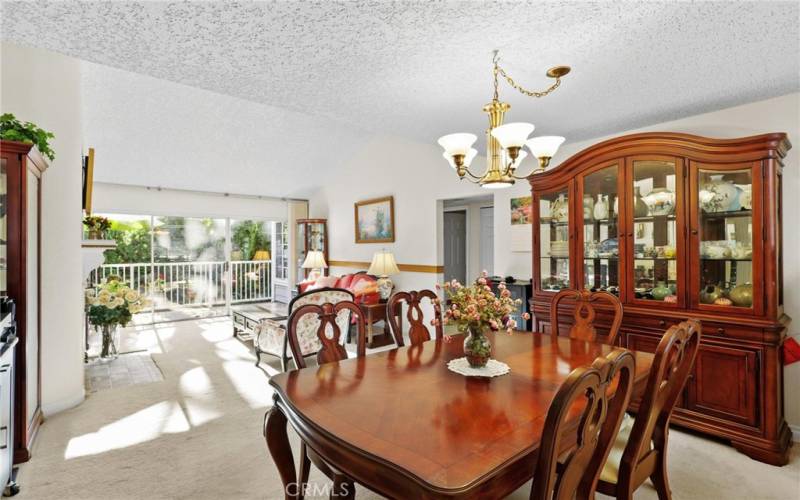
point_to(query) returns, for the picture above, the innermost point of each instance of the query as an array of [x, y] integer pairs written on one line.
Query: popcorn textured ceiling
[[423, 69]]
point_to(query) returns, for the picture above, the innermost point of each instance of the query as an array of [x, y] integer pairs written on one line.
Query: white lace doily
[[493, 368]]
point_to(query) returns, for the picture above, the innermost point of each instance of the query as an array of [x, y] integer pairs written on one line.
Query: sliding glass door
[[190, 267]]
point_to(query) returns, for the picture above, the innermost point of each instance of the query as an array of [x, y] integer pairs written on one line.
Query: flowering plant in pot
[[475, 309], [109, 305], [96, 226]]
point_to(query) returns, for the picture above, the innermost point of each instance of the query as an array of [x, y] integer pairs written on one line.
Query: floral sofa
[[363, 286]]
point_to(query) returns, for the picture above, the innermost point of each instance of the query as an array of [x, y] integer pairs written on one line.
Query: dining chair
[[571, 457], [418, 331], [640, 451], [329, 322], [584, 314]]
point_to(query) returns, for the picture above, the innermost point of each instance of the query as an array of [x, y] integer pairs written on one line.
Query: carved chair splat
[[574, 475], [585, 313], [418, 331], [640, 452]]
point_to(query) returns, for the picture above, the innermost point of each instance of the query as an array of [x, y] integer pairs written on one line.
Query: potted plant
[[110, 305], [12, 129], [475, 310], [96, 226]]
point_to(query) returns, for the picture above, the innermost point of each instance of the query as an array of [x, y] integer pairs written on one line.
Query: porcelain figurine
[[559, 209]]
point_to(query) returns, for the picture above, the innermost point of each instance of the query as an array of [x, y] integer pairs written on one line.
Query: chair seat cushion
[[610, 472]]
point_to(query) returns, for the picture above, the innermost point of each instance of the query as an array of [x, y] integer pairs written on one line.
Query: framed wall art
[[374, 220]]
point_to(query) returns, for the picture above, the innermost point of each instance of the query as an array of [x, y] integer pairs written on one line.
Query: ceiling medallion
[[504, 142]]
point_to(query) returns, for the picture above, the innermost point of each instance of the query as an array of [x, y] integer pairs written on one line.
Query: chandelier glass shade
[[504, 142]]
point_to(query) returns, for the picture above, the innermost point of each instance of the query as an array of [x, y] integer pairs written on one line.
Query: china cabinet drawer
[[731, 330]]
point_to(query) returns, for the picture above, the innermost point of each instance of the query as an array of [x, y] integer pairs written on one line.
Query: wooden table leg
[[369, 326], [281, 451]]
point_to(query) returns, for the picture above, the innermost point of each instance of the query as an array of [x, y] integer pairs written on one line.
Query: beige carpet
[[197, 434]]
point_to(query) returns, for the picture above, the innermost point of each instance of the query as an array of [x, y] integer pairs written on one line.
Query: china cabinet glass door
[[655, 231], [553, 240], [600, 227], [3, 228], [725, 217]]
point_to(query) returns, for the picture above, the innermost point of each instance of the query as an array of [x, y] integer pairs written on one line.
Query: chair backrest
[[600, 419], [329, 331], [418, 331], [306, 330], [584, 314], [669, 372]]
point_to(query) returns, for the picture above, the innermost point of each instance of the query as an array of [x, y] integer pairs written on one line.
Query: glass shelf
[[726, 215], [654, 218], [704, 259]]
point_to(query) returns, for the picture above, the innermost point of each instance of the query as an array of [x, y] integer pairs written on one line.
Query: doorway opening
[[467, 237]]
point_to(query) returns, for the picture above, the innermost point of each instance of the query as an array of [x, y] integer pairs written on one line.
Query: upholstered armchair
[[270, 334]]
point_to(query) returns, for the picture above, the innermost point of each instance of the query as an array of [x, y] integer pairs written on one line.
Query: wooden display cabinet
[[312, 234], [680, 226], [20, 248]]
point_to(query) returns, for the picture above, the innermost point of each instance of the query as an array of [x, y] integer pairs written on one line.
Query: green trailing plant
[[12, 129]]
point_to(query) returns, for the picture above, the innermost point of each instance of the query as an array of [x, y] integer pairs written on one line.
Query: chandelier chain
[[523, 90]]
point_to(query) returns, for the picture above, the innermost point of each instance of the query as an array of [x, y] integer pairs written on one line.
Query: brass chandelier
[[504, 142]]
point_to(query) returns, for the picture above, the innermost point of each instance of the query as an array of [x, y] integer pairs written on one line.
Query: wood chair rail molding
[[758, 147], [598, 424], [408, 268], [584, 314], [418, 331]]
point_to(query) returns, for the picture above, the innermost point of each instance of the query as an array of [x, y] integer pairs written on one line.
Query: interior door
[[486, 257], [455, 246]]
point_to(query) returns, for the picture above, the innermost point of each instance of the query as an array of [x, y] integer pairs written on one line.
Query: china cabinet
[[21, 168], [680, 226], [312, 234]]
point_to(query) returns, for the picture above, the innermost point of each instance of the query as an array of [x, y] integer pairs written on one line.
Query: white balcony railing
[[172, 284]]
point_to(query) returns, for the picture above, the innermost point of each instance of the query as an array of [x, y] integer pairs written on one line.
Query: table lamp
[[383, 265], [315, 261], [261, 255]]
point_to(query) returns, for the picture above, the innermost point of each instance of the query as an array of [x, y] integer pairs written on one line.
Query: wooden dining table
[[402, 424]]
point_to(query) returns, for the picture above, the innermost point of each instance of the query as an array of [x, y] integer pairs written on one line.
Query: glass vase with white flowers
[[109, 305], [476, 309]]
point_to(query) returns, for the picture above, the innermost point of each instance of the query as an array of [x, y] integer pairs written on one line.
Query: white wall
[[417, 176], [138, 200], [44, 87]]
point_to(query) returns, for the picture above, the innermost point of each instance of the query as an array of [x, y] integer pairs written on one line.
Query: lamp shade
[[471, 154], [544, 146], [261, 255], [383, 264], [512, 135], [314, 260], [457, 144]]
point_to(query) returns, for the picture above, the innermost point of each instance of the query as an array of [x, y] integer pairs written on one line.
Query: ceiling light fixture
[[504, 142]]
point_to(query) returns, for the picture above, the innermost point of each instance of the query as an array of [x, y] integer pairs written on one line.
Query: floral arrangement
[[476, 308], [113, 303], [96, 224]]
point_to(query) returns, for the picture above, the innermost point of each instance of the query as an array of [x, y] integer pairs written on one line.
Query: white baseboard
[[795, 432], [54, 407]]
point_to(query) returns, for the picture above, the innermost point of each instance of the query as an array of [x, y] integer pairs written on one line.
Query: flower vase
[[477, 348], [110, 340]]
